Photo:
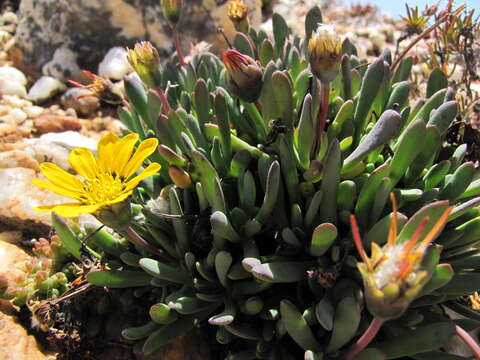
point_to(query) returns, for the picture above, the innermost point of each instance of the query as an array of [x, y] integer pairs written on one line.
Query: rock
[[7, 129], [10, 87], [45, 88], [15, 101], [18, 158], [33, 111], [18, 198], [115, 65], [13, 74], [9, 18], [18, 115], [55, 147], [12, 237], [55, 123], [83, 105], [58, 38], [16, 343]]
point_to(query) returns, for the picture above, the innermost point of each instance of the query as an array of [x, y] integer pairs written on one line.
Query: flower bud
[[237, 12], [171, 10], [145, 61], [325, 53], [116, 216], [179, 177], [395, 274], [243, 76]]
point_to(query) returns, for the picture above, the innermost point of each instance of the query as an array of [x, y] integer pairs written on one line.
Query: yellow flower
[[237, 12], [107, 178], [145, 61], [325, 52]]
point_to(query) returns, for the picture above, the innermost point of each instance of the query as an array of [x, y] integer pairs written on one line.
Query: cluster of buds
[[237, 12], [145, 60], [394, 274], [325, 53], [243, 76], [100, 88]]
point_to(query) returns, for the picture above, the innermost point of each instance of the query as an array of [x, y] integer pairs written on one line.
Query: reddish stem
[[366, 338], [178, 45], [163, 99], [322, 113], [469, 341]]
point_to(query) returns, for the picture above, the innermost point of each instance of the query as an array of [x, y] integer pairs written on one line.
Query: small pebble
[[33, 111], [18, 115], [45, 88]]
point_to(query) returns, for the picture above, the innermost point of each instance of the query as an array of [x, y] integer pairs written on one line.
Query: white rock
[[10, 18], [15, 101], [11, 73], [10, 87], [33, 111], [18, 115], [4, 109], [115, 65], [44, 88], [55, 147], [63, 64]]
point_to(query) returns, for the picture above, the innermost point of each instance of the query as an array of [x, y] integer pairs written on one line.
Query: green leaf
[[165, 272], [119, 278], [281, 271], [322, 238], [436, 81], [345, 323]]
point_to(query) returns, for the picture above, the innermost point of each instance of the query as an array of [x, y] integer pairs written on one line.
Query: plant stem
[[178, 45], [163, 99], [366, 338], [138, 240], [469, 341], [322, 114]]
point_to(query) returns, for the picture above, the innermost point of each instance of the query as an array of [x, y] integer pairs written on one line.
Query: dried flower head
[[393, 276], [100, 88], [243, 76], [325, 52]]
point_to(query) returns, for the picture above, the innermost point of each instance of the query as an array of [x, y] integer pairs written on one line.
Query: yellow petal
[[118, 199], [145, 149], [104, 150], [60, 177], [69, 209], [123, 150], [149, 171], [57, 189], [83, 162]]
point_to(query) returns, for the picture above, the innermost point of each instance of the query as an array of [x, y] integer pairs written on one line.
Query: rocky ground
[[42, 119]]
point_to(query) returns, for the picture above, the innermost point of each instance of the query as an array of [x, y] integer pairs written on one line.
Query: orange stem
[[358, 242]]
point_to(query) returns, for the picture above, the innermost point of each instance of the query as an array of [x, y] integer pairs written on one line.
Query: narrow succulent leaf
[[436, 81], [458, 182], [312, 209], [244, 331], [289, 170], [432, 103], [165, 272], [267, 52], [187, 305], [325, 312], [436, 174], [283, 94], [281, 271], [444, 116], [117, 279], [330, 182], [280, 32], [403, 71], [222, 227], [140, 332], [271, 192], [422, 339], [442, 275], [223, 261], [243, 44], [379, 232], [162, 314], [305, 133], [322, 238], [346, 77], [297, 327], [347, 195], [370, 354], [179, 225], [226, 317], [312, 19], [399, 96], [345, 323], [457, 157]]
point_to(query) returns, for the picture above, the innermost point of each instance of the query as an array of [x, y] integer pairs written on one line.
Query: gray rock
[[44, 88], [79, 33]]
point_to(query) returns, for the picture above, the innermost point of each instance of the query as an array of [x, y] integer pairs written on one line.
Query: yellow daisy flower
[[105, 176]]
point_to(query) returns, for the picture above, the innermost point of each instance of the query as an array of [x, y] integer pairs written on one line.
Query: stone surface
[[13, 74], [115, 65], [18, 158], [58, 37], [55, 123], [11, 87], [72, 99], [44, 88], [18, 198]]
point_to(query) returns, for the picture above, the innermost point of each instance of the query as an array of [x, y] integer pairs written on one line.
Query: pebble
[[45, 88], [10, 87], [18, 115], [33, 111], [73, 99], [55, 123], [115, 65], [13, 74], [15, 101]]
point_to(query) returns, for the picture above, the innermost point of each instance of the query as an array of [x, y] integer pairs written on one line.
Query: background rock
[[44, 88], [58, 37]]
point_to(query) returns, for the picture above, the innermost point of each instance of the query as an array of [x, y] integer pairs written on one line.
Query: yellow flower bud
[[145, 61], [325, 52], [243, 76], [237, 12], [171, 10]]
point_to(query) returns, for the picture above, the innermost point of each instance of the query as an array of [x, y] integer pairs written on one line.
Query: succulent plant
[[246, 228]]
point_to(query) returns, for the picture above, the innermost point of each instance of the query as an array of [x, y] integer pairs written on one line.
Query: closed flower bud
[[145, 61], [179, 177], [325, 52], [171, 10], [237, 12], [116, 216], [394, 274], [243, 76]]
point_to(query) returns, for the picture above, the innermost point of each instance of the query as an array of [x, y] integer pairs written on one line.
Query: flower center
[[105, 187]]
